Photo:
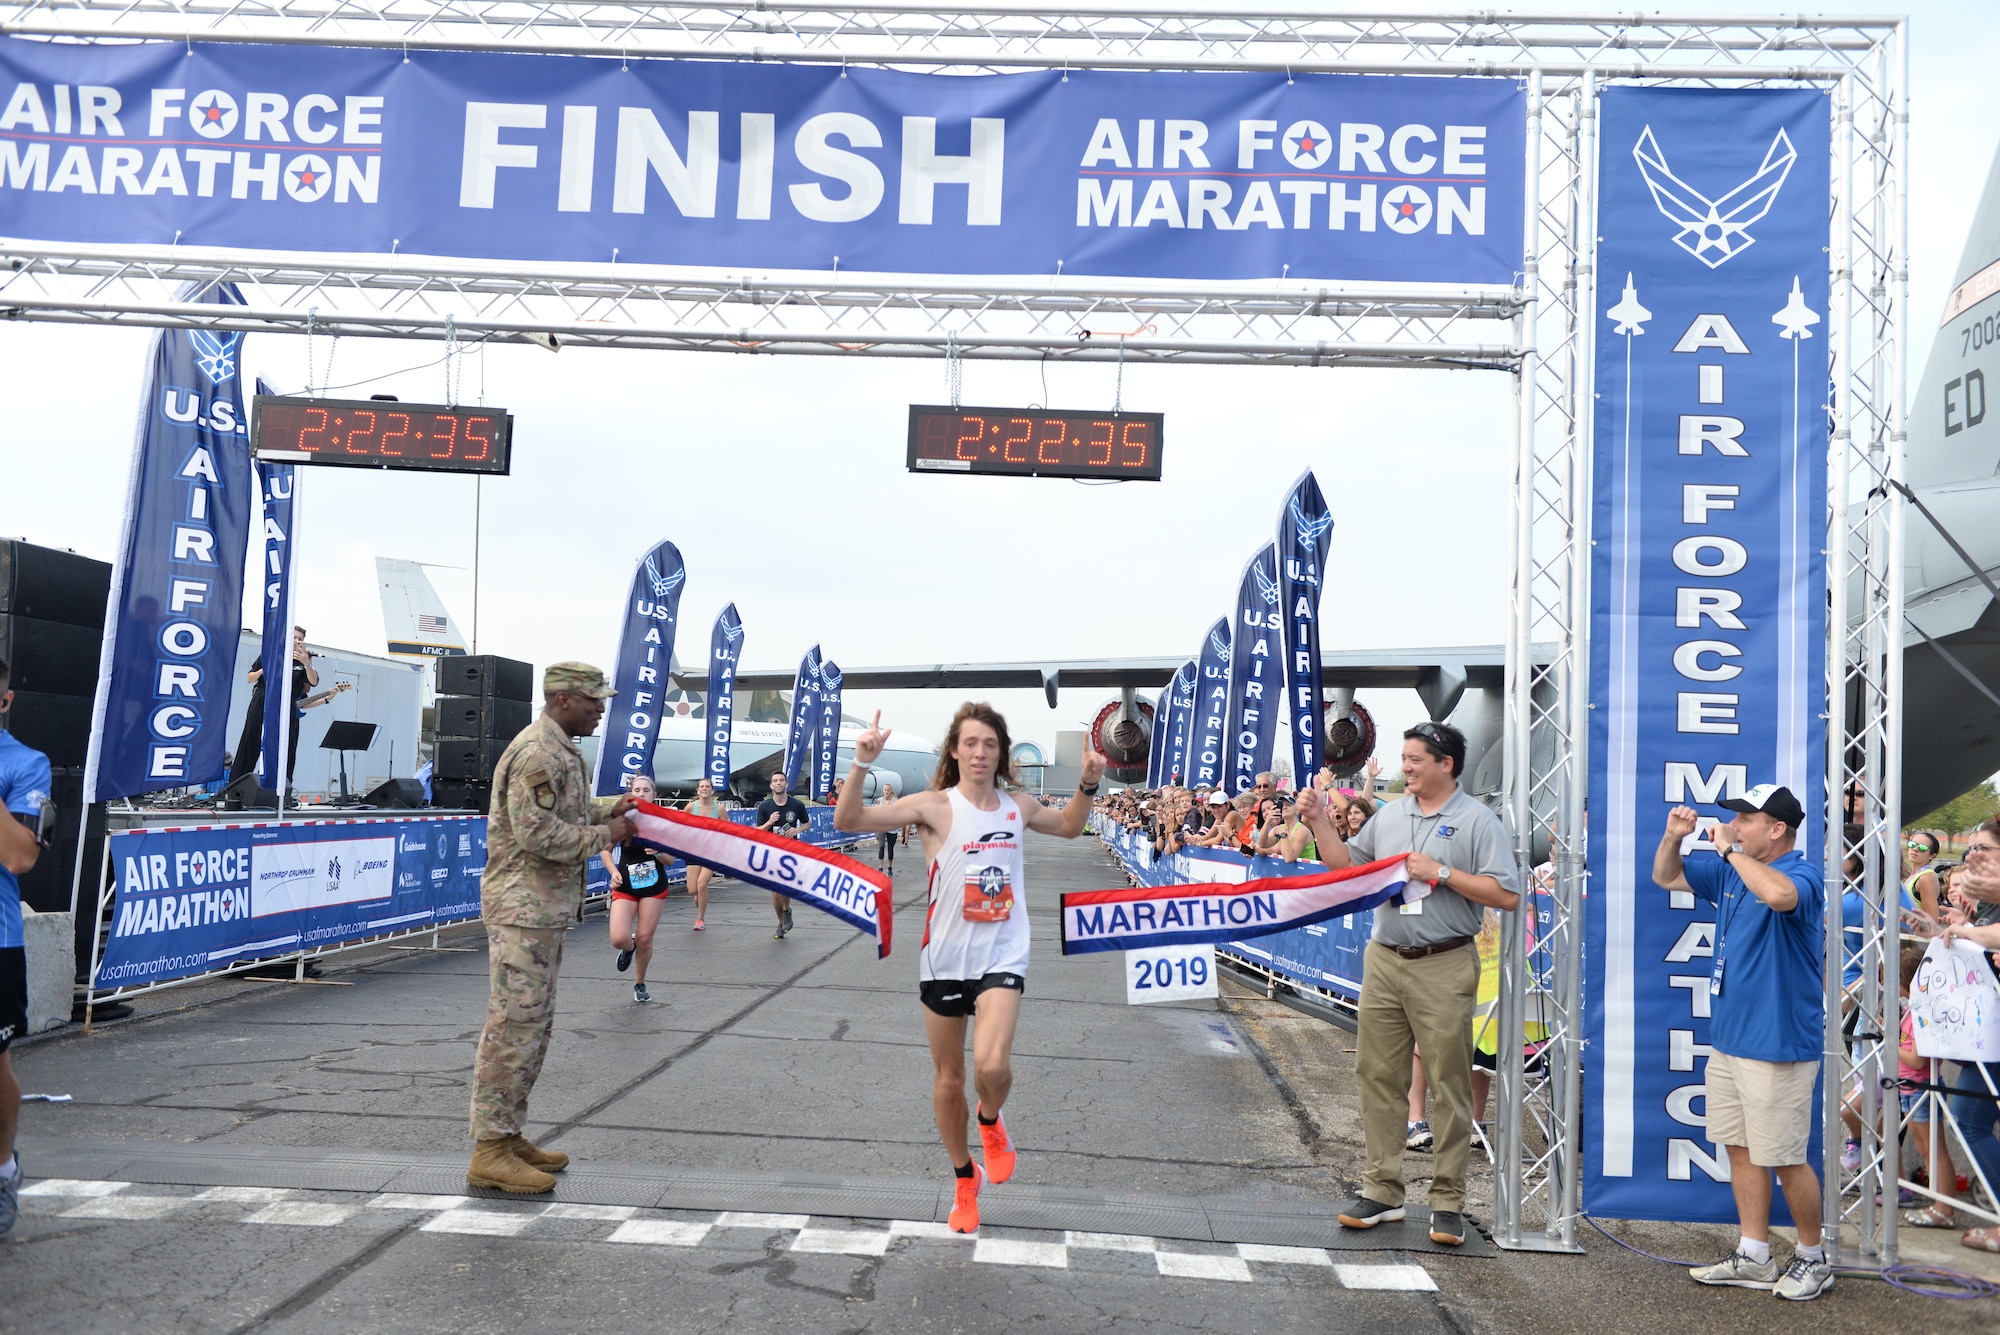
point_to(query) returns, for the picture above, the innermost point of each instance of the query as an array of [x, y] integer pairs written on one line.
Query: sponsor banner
[[805, 717], [1255, 676], [725, 655], [1302, 531], [196, 900], [161, 717], [645, 649], [827, 751], [278, 485], [830, 882], [761, 165], [1708, 589], [1208, 716], [1217, 912]]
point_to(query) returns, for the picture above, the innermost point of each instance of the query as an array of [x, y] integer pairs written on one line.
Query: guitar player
[[304, 678]]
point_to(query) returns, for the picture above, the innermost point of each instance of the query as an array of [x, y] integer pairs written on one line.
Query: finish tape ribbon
[[1218, 911], [831, 882]]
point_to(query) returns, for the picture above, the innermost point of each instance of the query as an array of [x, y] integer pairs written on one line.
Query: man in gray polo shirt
[[1420, 976]]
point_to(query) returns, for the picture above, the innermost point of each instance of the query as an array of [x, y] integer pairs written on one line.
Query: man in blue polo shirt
[[24, 793], [1766, 1024]]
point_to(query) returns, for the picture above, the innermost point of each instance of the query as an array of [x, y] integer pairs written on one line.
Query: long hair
[[976, 712]]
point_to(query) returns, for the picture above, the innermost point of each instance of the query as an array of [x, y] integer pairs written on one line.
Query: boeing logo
[[1714, 231]]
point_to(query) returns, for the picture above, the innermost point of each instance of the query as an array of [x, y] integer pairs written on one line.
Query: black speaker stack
[[483, 701]]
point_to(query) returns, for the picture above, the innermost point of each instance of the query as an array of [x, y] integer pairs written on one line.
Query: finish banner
[[1708, 587], [645, 649], [1302, 529], [161, 717], [1216, 912], [831, 882], [1208, 717], [198, 899], [278, 485], [762, 165], [1256, 678], [827, 752], [805, 717], [725, 654]]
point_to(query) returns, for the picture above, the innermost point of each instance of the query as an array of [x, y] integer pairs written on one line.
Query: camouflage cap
[[577, 678]]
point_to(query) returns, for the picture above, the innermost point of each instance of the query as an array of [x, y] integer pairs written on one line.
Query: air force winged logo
[[1267, 587], [732, 631], [1714, 230], [663, 586], [1309, 530], [1217, 643], [214, 354]]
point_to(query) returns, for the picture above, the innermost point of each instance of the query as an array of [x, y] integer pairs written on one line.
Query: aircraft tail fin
[[413, 615]]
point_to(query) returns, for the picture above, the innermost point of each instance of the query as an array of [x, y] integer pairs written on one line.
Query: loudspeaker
[[486, 674], [461, 794], [56, 725], [50, 656], [251, 795], [396, 793], [466, 757], [482, 716], [49, 585]]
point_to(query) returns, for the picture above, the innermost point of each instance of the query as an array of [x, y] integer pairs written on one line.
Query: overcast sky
[[782, 480]]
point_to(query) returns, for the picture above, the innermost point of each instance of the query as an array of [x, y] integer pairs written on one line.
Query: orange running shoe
[[964, 1216], [999, 1148]]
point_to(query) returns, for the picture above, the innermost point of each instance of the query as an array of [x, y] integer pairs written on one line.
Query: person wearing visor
[[1766, 1023]]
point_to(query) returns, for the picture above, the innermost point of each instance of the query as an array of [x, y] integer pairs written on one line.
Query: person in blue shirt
[[24, 792], [1766, 1023]]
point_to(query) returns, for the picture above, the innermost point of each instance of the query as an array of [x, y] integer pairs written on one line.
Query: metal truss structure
[[1540, 330]]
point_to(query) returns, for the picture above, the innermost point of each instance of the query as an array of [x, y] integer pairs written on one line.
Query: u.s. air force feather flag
[[1213, 911], [645, 649], [830, 882]]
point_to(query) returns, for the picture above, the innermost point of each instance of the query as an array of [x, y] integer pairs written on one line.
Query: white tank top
[[978, 863]]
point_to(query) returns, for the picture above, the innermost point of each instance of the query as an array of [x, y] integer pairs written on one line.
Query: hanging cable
[[954, 367], [1118, 396], [312, 376], [452, 370]]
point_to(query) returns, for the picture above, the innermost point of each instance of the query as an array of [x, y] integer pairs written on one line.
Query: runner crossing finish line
[[1210, 912], [830, 882]]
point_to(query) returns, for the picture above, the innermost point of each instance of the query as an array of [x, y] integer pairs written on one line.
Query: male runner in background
[[24, 793], [975, 953], [783, 814]]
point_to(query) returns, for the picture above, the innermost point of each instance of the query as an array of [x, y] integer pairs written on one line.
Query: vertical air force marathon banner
[[645, 649], [1208, 718], [763, 165], [725, 655], [1256, 675], [278, 485], [1302, 530], [161, 717], [1708, 616]]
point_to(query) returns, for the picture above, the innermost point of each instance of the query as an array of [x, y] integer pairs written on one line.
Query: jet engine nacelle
[[1124, 742], [1350, 738]]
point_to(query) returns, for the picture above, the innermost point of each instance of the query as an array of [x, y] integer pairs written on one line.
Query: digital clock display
[[381, 433], [1035, 442]]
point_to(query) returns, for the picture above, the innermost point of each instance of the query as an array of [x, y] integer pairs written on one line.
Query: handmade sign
[[1955, 1004]]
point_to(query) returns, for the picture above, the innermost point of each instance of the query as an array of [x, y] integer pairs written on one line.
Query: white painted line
[[486, 1223], [923, 1228], [310, 1214], [1187, 1265], [750, 1219], [661, 1232], [847, 1241], [70, 1186], [402, 1200], [1012, 1251], [1412, 1278], [126, 1207], [1111, 1242], [589, 1212], [1257, 1251], [245, 1195]]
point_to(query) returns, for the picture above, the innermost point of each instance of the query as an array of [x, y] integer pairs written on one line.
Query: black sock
[[984, 1120], [966, 1171]]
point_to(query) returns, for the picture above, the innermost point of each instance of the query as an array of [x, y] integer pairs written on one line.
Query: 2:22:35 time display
[[379, 433], [1035, 442]]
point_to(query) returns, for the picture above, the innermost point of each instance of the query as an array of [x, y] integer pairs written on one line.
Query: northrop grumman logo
[[215, 354], [1714, 230]]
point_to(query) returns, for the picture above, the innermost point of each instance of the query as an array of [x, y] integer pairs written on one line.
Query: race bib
[[643, 875], [989, 897]]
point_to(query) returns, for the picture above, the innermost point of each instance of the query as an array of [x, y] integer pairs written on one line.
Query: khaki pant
[[1426, 1004], [520, 1011]]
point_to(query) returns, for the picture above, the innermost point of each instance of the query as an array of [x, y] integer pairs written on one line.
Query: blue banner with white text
[[827, 750], [804, 732], [764, 165], [1208, 718], [194, 900], [277, 484], [645, 650], [1707, 582], [1174, 736], [1256, 677], [161, 716], [1302, 531], [725, 646]]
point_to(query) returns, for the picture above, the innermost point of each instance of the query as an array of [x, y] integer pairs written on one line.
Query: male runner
[[975, 951], [783, 814], [24, 818]]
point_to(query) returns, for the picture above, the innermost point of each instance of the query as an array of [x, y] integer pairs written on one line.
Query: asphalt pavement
[[755, 1150]]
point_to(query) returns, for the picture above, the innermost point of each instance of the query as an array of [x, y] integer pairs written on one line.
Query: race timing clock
[[382, 433], [1038, 442]]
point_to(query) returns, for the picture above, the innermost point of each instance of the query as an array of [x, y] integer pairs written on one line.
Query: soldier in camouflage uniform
[[544, 826]]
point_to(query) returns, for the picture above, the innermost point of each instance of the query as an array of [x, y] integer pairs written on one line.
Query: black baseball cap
[[1773, 800]]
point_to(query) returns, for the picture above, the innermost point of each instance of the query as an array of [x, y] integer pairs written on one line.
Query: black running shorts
[[955, 998], [13, 995]]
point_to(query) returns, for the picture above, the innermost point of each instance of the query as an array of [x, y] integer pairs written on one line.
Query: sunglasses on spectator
[[1919, 846], [1430, 731]]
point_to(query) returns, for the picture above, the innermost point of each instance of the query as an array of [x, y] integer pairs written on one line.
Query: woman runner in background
[[885, 842], [702, 804], [638, 890]]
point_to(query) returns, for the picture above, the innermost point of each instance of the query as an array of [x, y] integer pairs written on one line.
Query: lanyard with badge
[[1731, 901], [1414, 908]]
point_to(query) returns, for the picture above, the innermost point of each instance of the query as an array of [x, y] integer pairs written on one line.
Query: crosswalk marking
[[1014, 1251], [850, 1241], [1411, 1277], [308, 1214], [660, 1232], [1188, 1265]]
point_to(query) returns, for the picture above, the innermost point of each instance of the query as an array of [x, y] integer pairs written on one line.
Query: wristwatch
[[1444, 874]]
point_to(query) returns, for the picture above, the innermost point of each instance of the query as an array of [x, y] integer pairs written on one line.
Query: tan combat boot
[[533, 1155], [493, 1165]]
